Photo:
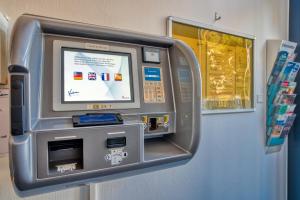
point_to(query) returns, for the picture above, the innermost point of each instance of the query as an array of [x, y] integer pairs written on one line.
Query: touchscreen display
[[96, 76]]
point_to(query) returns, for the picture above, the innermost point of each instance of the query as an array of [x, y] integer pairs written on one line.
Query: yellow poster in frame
[[226, 62]]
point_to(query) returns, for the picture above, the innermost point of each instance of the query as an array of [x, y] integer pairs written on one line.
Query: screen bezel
[[81, 43], [63, 49]]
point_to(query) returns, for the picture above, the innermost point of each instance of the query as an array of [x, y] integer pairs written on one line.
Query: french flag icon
[[105, 76]]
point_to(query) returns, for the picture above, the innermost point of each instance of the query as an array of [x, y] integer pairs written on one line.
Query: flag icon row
[[93, 76]]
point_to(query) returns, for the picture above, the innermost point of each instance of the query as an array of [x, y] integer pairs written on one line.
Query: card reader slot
[[97, 119]]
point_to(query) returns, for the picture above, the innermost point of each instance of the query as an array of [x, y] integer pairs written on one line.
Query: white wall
[[231, 163], [4, 120]]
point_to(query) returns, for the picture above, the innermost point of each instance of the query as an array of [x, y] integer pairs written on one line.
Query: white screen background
[[96, 90]]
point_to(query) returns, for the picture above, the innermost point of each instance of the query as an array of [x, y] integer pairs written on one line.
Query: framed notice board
[[3, 49], [226, 61]]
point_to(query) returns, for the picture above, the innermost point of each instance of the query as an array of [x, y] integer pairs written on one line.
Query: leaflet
[[285, 87], [280, 91], [281, 109], [273, 141], [286, 49], [289, 72], [285, 99], [275, 131], [288, 125]]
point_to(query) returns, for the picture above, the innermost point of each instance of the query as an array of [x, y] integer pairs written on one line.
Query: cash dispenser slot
[[65, 155]]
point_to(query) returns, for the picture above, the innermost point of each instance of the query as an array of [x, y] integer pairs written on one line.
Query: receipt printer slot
[[65, 155], [116, 142]]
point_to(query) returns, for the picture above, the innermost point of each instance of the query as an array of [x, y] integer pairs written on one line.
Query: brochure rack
[[280, 114]]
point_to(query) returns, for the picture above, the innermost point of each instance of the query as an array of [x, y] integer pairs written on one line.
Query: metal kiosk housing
[[45, 148]]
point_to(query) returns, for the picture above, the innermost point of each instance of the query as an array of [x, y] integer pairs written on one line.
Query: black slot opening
[[65, 155], [17, 104], [116, 142], [153, 124]]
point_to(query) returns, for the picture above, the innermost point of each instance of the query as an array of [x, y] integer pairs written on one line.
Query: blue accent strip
[[98, 118]]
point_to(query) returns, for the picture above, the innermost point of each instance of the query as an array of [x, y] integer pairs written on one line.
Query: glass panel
[[226, 66]]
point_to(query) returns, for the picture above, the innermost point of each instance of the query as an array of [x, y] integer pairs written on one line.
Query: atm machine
[[90, 101]]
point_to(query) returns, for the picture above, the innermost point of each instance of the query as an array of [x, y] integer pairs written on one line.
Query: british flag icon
[[92, 76]]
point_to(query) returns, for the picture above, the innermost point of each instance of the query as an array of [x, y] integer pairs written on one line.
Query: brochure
[[279, 110], [275, 131], [288, 125], [280, 92], [285, 53], [273, 141], [282, 109], [289, 72], [285, 99], [284, 87]]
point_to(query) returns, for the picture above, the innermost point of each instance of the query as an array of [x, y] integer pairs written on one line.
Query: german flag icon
[[77, 76]]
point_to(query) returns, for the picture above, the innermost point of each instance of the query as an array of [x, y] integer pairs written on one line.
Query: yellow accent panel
[[166, 118]]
